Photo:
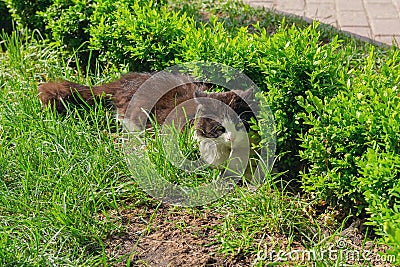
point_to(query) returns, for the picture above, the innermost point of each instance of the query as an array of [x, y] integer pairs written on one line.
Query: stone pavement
[[378, 20]]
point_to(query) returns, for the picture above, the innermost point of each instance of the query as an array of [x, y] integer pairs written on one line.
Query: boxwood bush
[[67, 23], [69, 27], [137, 34], [26, 13], [353, 144], [292, 62]]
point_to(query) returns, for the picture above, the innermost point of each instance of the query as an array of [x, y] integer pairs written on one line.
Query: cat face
[[222, 123]]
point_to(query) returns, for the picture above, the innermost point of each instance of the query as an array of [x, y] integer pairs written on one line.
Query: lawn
[[68, 195]]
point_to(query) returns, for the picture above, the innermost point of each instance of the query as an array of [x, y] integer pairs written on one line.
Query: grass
[[61, 176], [58, 173]]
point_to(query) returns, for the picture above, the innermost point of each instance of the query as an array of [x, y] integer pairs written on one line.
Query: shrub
[[26, 13], [353, 145], [70, 26], [379, 184], [293, 61], [392, 238], [68, 22], [284, 66], [140, 35]]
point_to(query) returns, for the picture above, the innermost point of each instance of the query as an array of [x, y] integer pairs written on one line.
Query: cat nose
[[230, 137]]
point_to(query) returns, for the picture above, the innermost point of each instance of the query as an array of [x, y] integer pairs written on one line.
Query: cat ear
[[247, 95], [199, 94]]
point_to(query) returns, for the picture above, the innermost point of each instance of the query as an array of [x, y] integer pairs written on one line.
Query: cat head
[[215, 116], [222, 123]]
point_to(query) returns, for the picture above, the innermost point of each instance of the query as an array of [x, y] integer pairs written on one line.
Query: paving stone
[[318, 1], [362, 31], [379, 19], [320, 10], [388, 39], [266, 4], [331, 21], [385, 27], [352, 18], [290, 4], [300, 13], [382, 11], [349, 5], [378, 1]]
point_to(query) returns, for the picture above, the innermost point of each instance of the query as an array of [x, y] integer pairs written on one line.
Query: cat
[[217, 132]]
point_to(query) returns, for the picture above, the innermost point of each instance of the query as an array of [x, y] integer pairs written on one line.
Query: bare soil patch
[[169, 236]]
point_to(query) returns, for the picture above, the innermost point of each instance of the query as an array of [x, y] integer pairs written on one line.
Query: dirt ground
[[172, 236]]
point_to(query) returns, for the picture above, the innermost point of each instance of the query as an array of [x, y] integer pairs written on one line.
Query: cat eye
[[217, 130], [220, 128], [239, 124]]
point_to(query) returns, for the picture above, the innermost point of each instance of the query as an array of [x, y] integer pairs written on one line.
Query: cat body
[[223, 118], [120, 92]]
